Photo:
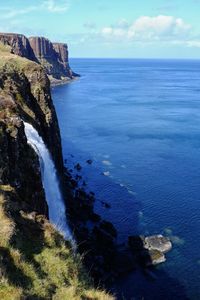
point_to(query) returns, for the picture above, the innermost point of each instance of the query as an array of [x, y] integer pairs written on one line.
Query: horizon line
[[136, 58]]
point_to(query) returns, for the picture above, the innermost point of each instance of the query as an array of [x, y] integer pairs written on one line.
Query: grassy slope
[[35, 261]]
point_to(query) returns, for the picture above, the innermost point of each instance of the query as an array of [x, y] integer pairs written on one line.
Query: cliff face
[[62, 55], [54, 57], [36, 262], [19, 166], [19, 45], [25, 95], [27, 85]]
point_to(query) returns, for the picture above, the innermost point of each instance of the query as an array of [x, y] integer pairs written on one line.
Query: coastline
[[103, 257], [56, 82]]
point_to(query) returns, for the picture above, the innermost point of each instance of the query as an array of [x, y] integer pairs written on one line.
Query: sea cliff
[[36, 262], [53, 57]]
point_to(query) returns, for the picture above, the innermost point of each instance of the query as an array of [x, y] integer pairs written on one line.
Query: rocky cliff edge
[[52, 56]]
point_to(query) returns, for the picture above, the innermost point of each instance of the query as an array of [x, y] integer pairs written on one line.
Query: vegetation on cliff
[[35, 260]]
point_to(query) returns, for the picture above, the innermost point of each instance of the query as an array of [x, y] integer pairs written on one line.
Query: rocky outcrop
[[53, 56], [150, 250], [158, 243], [19, 45], [27, 86], [62, 53]]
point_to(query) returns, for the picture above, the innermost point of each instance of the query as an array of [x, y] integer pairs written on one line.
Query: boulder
[[157, 242], [149, 251], [152, 258]]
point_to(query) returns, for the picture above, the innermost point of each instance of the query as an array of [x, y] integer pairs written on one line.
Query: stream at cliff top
[[139, 121], [50, 182]]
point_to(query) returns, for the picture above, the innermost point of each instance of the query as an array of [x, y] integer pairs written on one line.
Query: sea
[[138, 120]]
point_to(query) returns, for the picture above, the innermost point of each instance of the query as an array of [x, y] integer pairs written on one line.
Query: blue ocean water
[[139, 121]]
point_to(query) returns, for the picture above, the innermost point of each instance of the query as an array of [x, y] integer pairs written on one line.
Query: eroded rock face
[[19, 45], [54, 57], [29, 94], [62, 54], [42, 48]]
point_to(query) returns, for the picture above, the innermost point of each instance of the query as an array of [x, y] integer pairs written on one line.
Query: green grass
[[36, 262], [10, 60]]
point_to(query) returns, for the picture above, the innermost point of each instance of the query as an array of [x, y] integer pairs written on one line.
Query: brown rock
[[53, 56], [153, 257], [158, 242], [19, 45]]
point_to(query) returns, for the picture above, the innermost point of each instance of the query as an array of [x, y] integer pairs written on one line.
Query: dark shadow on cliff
[[14, 274]]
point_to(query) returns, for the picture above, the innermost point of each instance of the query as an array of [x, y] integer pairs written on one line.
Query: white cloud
[[51, 6], [194, 44], [148, 28], [56, 6], [9, 13]]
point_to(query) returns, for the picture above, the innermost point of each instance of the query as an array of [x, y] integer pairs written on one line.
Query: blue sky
[[114, 28]]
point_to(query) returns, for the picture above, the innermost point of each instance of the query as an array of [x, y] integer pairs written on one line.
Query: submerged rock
[[78, 167], [105, 204], [89, 161]]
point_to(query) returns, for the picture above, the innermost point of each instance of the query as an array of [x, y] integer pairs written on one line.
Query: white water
[[50, 182]]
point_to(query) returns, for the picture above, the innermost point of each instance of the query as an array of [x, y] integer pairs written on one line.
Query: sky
[[110, 28]]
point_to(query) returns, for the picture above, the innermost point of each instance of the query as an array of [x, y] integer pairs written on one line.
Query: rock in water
[[78, 167], [89, 161], [153, 257], [150, 250], [157, 242]]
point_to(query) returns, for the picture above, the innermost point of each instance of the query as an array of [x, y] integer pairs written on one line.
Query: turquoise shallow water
[[139, 120]]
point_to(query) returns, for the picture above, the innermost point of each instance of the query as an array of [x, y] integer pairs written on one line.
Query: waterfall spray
[[50, 182]]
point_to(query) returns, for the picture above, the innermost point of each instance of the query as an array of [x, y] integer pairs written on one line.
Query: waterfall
[[50, 182]]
